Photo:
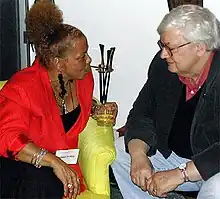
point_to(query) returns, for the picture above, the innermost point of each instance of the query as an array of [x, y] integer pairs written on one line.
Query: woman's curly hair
[[47, 32]]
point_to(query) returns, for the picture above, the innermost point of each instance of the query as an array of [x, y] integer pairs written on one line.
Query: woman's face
[[77, 62]]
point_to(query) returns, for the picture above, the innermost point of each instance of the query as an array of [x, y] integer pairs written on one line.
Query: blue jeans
[[121, 169]]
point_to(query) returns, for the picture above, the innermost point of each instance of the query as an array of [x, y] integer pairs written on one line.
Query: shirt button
[[192, 92]]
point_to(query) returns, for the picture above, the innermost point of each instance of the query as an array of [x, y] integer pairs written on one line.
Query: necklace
[[62, 100], [61, 103], [65, 111]]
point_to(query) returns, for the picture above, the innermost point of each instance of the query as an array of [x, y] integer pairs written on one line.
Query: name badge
[[69, 156]]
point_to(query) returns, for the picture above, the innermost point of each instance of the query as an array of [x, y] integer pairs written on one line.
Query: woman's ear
[[57, 64], [56, 60]]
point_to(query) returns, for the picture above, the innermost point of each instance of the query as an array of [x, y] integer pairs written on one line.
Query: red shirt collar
[[192, 89]]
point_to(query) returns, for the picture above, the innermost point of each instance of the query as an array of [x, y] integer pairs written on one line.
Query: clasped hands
[[155, 183]]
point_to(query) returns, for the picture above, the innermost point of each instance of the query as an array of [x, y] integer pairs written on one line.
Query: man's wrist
[[183, 170], [137, 152], [137, 146]]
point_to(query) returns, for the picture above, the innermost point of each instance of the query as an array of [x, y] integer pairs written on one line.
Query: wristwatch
[[182, 168]]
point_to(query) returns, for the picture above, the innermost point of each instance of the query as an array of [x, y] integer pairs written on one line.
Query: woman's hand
[[62, 170], [67, 176]]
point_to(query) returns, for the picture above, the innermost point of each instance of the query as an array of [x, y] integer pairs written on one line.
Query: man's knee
[[210, 188], [120, 144], [121, 156]]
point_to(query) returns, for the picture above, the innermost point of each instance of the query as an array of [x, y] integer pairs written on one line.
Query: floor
[[116, 194]]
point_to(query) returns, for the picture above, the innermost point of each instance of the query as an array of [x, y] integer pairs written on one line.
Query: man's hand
[[141, 167], [141, 170], [163, 182]]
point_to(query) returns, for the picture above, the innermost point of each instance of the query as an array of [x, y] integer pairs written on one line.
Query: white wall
[[130, 26]]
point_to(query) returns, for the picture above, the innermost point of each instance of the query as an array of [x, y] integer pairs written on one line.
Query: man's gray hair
[[196, 24]]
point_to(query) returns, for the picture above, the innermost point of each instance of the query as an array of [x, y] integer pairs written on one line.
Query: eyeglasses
[[170, 50]]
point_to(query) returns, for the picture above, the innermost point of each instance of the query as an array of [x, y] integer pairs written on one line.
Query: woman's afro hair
[[42, 20]]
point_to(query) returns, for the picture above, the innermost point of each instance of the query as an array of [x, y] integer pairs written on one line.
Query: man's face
[[180, 55]]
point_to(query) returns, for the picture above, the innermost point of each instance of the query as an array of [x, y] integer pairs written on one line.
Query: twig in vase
[[109, 70], [105, 75], [100, 84], [101, 74]]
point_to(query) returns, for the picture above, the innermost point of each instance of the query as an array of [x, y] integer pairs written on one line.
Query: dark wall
[[174, 3], [9, 38]]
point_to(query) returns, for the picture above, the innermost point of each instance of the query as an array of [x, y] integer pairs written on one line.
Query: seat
[[97, 152]]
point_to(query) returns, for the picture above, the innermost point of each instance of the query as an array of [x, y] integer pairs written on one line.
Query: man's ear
[[201, 49]]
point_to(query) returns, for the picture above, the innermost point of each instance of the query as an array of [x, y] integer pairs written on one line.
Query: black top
[[152, 114], [179, 138], [21, 180], [70, 118]]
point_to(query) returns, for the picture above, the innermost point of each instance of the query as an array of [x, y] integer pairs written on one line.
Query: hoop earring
[[62, 92]]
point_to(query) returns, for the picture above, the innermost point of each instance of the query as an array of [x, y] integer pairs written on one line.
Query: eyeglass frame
[[169, 50]]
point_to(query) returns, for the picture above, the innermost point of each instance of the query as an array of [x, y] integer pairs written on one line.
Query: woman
[[44, 108]]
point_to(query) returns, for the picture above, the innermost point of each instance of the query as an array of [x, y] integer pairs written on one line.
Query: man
[[173, 130]]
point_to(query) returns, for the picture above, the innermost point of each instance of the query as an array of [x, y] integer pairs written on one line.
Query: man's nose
[[164, 54]]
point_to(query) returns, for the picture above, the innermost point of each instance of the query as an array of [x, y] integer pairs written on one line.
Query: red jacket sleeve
[[13, 125]]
